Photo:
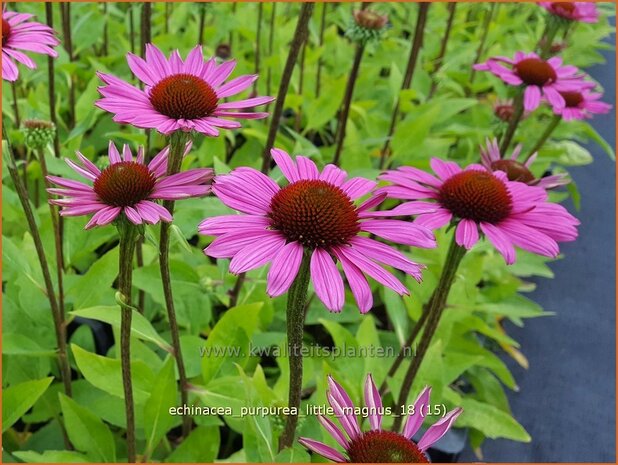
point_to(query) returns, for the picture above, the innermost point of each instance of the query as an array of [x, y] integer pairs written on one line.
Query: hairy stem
[[65, 9], [402, 352], [59, 326], [271, 41], [555, 121], [318, 78], [200, 34], [434, 311], [447, 34], [479, 51], [258, 44], [518, 112], [297, 296], [178, 141], [300, 35], [128, 235], [51, 87], [417, 44], [347, 102], [55, 219]]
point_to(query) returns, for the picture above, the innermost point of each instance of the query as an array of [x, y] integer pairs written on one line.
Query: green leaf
[[87, 432], [105, 373], [89, 288], [17, 399], [20, 344], [140, 326], [491, 421], [51, 456], [157, 419], [228, 343], [201, 446]]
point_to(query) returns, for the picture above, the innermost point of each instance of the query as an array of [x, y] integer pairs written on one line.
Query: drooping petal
[[467, 233], [327, 280], [374, 402], [323, 450], [284, 268], [415, 420]]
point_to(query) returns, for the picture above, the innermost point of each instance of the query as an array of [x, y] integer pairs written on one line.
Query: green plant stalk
[[15, 106], [555, 121], [258, 44], [65, 10], [59, 326], [513, 123], [435, 308], [200, 34], [177, 142], [440, 58], [300, 35], [271, 41], [55, 219], [51, 79], [417, 44], [550, 33], [318, 77], [128, 235], [401, 355], [297, 297], [347, 102], [479, 51]]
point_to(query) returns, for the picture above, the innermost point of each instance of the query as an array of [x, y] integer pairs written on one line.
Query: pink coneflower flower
[[585, 12], [516, 170], [508, 213], [179, 95], [128, 187], [581, 104], [20, 34], [537, 76], [315, 214], [377, 445]]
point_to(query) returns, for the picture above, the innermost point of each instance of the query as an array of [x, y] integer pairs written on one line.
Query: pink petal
[[532, 98], [358, 284], [374, 402], [415, 420], [500, 241], [256, 254], [439, 429], [285, 164], [323, 450], [284, 268], [327, 281], [467, 233]]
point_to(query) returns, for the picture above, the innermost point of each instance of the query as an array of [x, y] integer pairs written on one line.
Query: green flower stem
[[401, 355], [128, 235], [347, 101], [440, 58], [178, 141], [555, 121], [55, 219], [58, 317], [489, 14], [300, 35], [550, 33], [318, 76], [518, 112], [417, 44], [434, 310], [297, 297]]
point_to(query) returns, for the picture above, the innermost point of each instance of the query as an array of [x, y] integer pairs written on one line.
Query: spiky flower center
[[37, 124], [184, 96], [476, 195], [124, 184], [504, 111], [370, 19], [567, 8], [515, 171], [6, 31], [536, 72], [314, 213], [572, 99], [384, 447]]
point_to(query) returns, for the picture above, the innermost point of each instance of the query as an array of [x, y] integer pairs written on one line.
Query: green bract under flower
[[38, 134], [366, 26]]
